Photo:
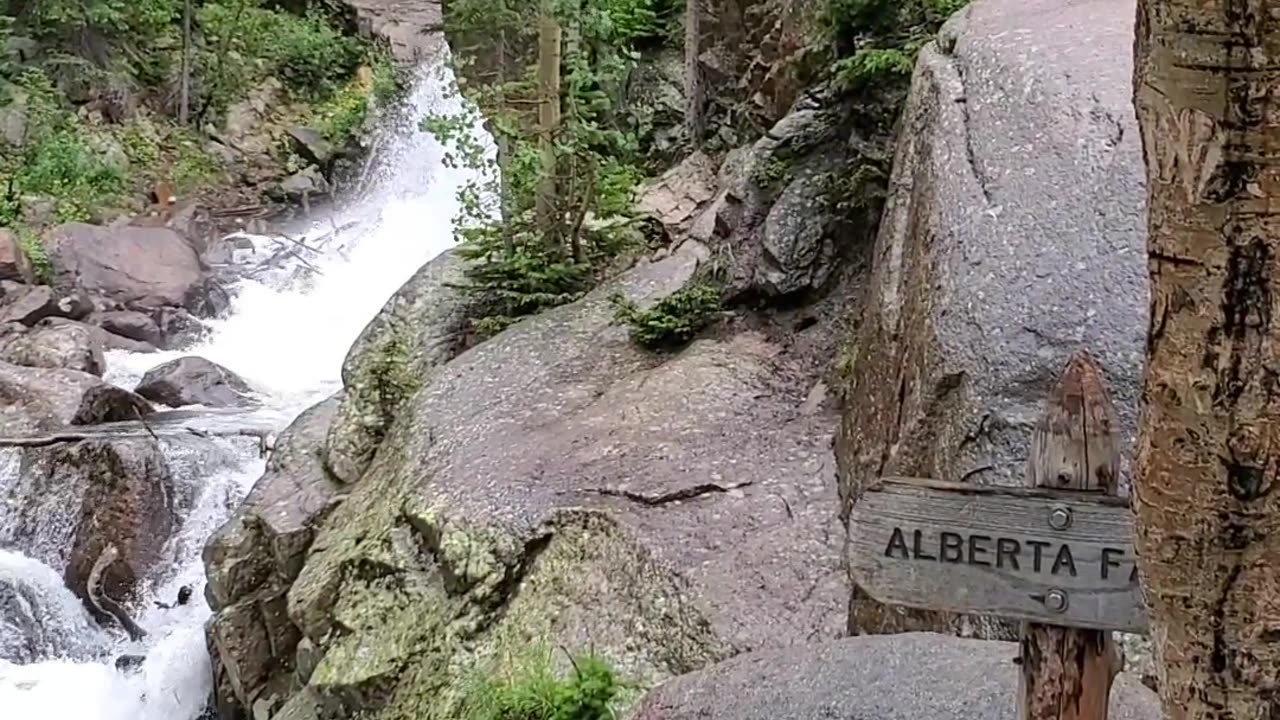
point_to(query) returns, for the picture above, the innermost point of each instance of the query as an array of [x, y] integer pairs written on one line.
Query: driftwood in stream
[[1067, 673], [38, 441], [102, 602]]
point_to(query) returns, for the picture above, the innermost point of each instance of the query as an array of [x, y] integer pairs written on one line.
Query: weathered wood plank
[[1067, 673], [968, 548]]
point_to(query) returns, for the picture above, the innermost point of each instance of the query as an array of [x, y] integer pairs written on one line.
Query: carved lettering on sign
[[1009, 553]]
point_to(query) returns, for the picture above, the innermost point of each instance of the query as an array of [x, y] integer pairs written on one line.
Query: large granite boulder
[[255, 556], [1014, 235], [422, 326], [69, 345], [914, 676], [554, 483], [412, 31], [775, 205], [136, 266], [193, 380], [35, 400]]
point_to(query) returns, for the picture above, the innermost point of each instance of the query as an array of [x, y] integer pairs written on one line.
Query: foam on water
[[288, 342]]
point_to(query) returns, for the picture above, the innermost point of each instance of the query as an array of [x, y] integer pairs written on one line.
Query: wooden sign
[[1064, 558]]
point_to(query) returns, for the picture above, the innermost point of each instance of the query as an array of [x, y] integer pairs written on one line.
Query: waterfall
[[288, 340]]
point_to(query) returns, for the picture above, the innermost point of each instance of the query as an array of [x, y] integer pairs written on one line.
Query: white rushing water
[[289, 343]]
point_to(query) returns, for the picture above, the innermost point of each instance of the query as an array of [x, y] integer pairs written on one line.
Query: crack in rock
[[687, 493]]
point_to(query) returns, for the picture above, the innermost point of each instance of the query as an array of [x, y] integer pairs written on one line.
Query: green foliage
[[245, 43], [58, 160], [870, 65], [103, 50], [532, 249], [389, 376], [31, 245], [534, 691], [672, 321], [342, 115], [876, 41]]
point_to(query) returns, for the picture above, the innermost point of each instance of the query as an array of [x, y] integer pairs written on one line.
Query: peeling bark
[[1207, 74]]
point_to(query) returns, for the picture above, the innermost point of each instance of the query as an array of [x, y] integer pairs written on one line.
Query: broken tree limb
[[1067, 673], [102, 602]]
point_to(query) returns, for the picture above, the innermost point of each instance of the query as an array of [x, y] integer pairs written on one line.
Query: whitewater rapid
[[288, 342]]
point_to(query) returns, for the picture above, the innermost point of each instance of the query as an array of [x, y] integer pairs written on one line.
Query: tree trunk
[[694, 120], [548, 122], [504, 145], [184, 100], [1207, 73]]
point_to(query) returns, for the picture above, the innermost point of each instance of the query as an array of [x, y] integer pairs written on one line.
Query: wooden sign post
[[1057, 554]]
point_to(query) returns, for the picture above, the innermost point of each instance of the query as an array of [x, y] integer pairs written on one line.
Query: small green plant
[[874, 64], [770, 173], [390, 377], [534, 691], [876, 41], [674, 320], [31, 245]]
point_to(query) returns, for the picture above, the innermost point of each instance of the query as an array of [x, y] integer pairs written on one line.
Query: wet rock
[[915, 676], [665, 514], [107, 403], [41, 400], [798, 254], [420, 328], [311, 145], [143, 267], [14, 264], [52, 345], [75, 305], [306, 183], [129, 663], [655, 93], [679, 195], [178, 328], [30, 305], [131, 324], [777, 207], [195, 381], [104, 338], [994, 264], [255, 556], [73, 499], [207, 299]]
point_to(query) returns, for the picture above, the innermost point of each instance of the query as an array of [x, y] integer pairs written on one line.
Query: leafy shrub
[[64, 167], [877, 40], [535, 692], [674, 320], [341, 116], [871, 65], [246, 43], [31, 245]]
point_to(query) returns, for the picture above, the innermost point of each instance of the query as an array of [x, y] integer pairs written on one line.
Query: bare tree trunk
[[1207, 74], [504, 144], [548, 121], [694, 120], [184, 100]]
